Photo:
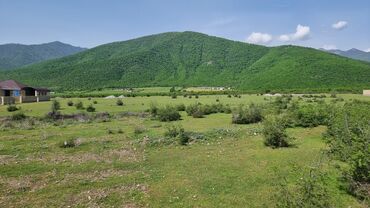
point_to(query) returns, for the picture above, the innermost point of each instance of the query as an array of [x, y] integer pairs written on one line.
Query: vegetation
[[90, 108], [348, 137], [248, 115], [168, 113], [12, 108], [191, 59], [124, 157], [79, 105], [274, 132], [119, 102], [16, 55]]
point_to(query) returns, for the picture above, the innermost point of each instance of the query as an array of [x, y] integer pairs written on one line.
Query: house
[[14, 92], [366, 92]]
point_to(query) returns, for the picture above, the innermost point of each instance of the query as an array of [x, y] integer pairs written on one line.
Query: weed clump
[[18, 116]]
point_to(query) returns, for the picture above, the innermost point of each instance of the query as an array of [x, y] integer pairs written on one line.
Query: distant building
[[366, 92], [14, 92]]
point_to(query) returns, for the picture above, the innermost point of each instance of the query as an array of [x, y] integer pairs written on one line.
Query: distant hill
[[195, 59], [352, 53], [18, 55]]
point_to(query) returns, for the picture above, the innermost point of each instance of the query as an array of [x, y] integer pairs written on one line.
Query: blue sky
[[342, 24]]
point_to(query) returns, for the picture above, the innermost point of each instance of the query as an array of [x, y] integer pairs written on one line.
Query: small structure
[[366, 92], [14, 92]]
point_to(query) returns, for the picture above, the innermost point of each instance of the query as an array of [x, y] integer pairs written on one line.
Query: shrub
[[168, 113], [119, 102], [251, 114], [90, 108], [229, 96], [274, 132], [173, 131], [217, 100], [311, 115], [12, 108], [70, 103], [70, 143], [18, 116], [180, 107], [196, 96], [184, 138], [174, 96], [139, 130], [95, 102], [55, 106], [348, 137], [79, 105], [153, 110], [310, 190]]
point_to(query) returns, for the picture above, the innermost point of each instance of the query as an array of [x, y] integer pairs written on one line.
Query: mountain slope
[[16, 55], [352, 53], [194, 59]]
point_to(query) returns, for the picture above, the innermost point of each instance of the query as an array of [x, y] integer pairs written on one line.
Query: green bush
[[168, 113], [174, 96], [153, 110], [247, 115], [310, 190], [311, 115], [90, 108], [180, 107], [348, 138], [18, 116], [274, 132], [70, 103], [173, 131], [119, 102], [55, 106], [95, 102], [79, 105], [12, 108]]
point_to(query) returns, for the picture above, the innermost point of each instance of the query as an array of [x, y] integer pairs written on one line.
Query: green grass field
[[113, 167]]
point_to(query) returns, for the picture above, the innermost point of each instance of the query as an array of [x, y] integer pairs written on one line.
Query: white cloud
[[367, 50], [302, 33], [329, 47], [339, 25], [259, 38]]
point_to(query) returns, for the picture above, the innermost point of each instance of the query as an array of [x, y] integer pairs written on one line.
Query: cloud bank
[[259, 38], [339, 25], [302, 33]]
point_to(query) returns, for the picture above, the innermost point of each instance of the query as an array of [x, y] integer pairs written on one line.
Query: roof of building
[[14, 85]]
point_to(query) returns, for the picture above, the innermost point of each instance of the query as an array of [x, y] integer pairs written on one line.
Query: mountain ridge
[[353, 53], [15, 55], [196, 59]]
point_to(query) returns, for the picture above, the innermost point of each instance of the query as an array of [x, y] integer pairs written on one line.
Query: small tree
[[172, 89], [274, 132], [55, 106], [70, 103], [12, 108]]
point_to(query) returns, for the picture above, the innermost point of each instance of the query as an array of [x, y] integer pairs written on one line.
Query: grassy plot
[[111, 163]]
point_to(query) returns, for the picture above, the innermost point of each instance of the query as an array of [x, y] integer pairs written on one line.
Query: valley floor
[[113, 164]]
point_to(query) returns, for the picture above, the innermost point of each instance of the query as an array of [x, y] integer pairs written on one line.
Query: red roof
[[14, 85]]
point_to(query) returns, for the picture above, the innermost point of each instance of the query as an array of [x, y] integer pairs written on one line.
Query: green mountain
[[353, 53], [17, 55], [195, 59]]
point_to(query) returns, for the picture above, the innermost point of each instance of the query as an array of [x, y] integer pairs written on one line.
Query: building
[[14, 92], [366, 92]]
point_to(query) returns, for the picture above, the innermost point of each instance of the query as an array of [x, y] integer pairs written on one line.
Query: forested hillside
[[17, 55], [195, 59]]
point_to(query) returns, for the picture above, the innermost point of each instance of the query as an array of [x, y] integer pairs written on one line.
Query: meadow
[[122, 161]]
